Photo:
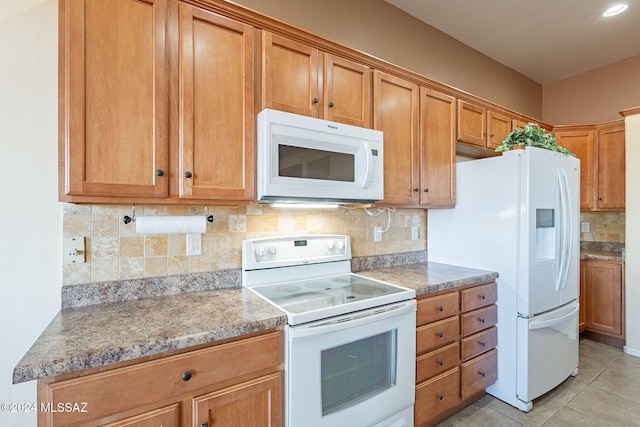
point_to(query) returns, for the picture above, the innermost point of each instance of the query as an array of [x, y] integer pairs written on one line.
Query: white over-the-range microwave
[[304, 159]]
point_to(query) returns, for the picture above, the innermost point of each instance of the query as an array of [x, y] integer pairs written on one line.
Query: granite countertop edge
[[95, 336]]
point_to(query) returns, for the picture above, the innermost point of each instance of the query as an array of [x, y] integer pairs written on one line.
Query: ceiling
[[545, 40]]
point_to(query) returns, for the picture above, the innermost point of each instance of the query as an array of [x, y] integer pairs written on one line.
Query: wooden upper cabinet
[[498, 126], [471, 123], [290, 75], [438, 143], [581, 142], [518, 124], [396, 114], [347, 92], [113, 98], [216, 137], [481, 127], [611, 167], [301, 79]]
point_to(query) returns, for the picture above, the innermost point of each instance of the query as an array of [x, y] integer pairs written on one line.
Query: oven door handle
[[352, 320]]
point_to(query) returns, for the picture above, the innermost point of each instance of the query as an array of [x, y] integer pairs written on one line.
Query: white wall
[[30, 215], [632, 246]]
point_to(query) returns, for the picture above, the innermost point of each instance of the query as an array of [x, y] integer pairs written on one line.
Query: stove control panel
[[294, 250]]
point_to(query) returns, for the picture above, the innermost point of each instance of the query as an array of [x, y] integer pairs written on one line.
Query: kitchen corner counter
[[430, 277], [99, 335]]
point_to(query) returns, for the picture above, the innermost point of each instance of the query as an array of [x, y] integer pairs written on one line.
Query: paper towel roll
[[171, 224]]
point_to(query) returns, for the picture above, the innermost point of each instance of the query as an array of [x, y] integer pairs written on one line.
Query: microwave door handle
[[368, 155]]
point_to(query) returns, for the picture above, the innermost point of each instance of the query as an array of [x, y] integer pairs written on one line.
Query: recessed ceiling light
[[616, 9]]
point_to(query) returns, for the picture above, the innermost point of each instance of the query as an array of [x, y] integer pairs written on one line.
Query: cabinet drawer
[[479, 296], [120, 389], [479, 373], [437, 308], [436, 334], [437, 395], [436, 362], [479, 319], [479, 343]]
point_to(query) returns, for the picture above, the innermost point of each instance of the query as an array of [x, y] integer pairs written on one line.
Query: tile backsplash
[[607, 227], [115, 252]]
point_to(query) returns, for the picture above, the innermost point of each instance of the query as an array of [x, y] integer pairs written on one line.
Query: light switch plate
[[73, 250], [377, 234]]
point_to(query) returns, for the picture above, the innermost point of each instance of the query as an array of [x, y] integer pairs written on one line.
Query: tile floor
[[606, 392]]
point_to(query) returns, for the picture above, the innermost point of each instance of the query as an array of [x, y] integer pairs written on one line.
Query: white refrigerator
[[518, 215]]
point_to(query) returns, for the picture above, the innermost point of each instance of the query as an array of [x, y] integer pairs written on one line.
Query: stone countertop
[[601, 255], [97, 335], [430, 277]]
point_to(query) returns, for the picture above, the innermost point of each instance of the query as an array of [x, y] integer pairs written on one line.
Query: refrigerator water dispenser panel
[[545, 234]]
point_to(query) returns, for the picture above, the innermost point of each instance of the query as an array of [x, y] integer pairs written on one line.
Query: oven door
[[356, 369]]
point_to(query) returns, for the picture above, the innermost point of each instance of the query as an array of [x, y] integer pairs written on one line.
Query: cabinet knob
[[439, 334], [482, 374], [440, 362], [601, 198], [481, 320], [439, 396], [204, 425], [440, 308], [482, 297], [159, 172], [186, 376], [188, 174], [416, 189], [482, 343], [314, 100], [426, 190], [331, 104]]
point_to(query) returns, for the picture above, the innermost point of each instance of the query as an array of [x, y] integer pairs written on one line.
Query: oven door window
[[302, 162], [357, 370]]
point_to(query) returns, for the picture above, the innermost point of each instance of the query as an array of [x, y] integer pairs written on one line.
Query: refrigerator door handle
[[553, 322], [563, 233], [568, 227]]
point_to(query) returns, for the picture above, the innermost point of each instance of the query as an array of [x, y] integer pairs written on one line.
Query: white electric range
[[350, 340]]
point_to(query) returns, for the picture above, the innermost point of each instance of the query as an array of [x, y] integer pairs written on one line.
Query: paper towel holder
[[127, 219]]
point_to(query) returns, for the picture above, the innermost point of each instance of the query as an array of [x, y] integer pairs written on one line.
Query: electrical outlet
[[585, 227], [194, 244], [415, 233], [73, 250], [377, 234]]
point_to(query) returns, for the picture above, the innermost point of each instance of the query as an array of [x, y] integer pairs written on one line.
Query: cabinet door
[[603, 296], [518, 124], [216, 107], [113, 98], [347, 92], [472, 123], [168, 416], [582, 144], [438, 136], [498, 126], [611, 168], [290, 76], [396, 114], [255, 403]]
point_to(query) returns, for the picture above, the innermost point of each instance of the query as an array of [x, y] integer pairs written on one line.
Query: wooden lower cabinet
[[602, 287], [239, 383], [456, 358]]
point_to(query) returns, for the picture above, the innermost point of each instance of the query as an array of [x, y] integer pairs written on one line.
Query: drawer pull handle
[[482, 343], [186, 376], [482, 297], [439, 334], [440, 362], [482, 374], [440, 308], [480, 319], [439, 396]]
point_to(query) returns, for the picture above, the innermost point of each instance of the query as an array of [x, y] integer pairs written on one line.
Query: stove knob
[[273, 249], [340, 244], [260, 251], [330, 244]]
